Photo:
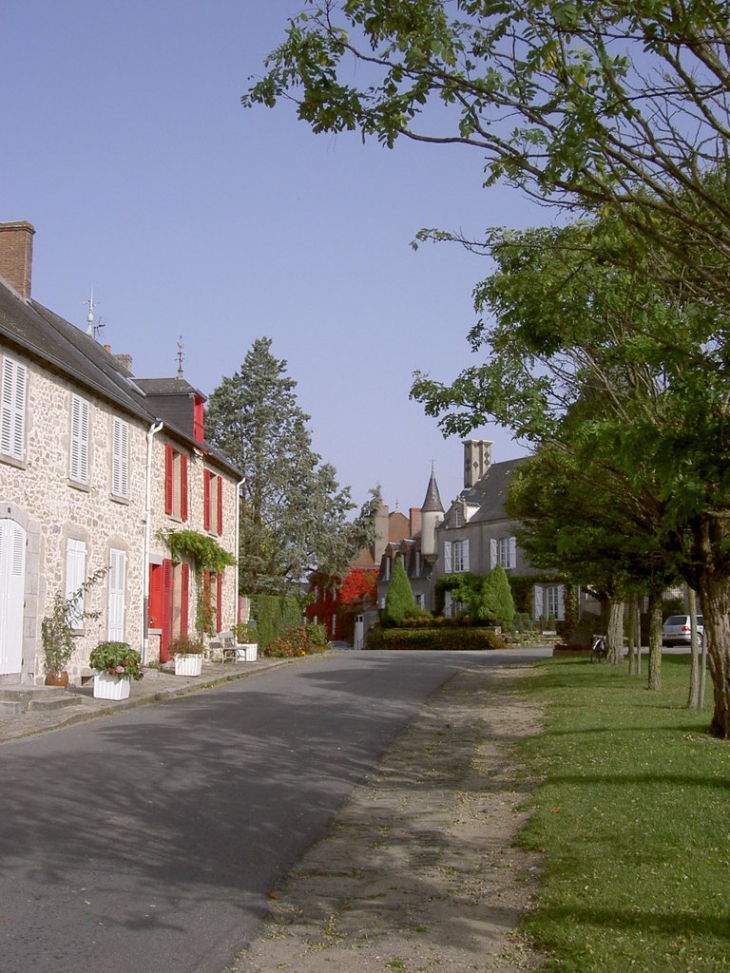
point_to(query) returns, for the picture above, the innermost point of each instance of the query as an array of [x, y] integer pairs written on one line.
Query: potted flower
[[188, 654], [116, 665], [247, 642]]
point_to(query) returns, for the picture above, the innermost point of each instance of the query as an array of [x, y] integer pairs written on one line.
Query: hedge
[[441, 639]]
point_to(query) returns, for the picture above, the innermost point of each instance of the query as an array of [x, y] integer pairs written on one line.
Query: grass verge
[[633, 818]]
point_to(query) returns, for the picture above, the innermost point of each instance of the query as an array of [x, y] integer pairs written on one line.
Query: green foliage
[[444, 639], [117, 659], [274, 615], [399, 602], [549, 96], [296, 642], [294, 516], [57, 631], [646, 889], [185, 645], [486, 600], [204, 552], [245, 632]]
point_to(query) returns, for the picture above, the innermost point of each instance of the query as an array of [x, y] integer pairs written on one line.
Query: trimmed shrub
[[451, 639], [399, 602], [274, 615]]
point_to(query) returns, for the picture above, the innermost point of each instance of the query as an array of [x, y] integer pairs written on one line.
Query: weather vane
[[180, 357], [93, 327]]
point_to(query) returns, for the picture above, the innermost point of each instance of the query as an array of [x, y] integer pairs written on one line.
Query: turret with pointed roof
[[432, 513]]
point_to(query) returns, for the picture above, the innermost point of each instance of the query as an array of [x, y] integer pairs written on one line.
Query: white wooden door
[[12, 595]]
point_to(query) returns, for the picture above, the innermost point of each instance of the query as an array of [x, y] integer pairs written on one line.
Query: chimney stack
[[16, 256], [477, 460]]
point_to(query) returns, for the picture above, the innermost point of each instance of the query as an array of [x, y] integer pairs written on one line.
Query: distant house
[[473, 535], [92, 468]]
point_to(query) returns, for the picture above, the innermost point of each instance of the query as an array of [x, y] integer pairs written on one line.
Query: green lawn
[[633, 818]]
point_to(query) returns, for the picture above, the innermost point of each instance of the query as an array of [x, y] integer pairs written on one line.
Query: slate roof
[[432, 503], [62, 348], [490, 492]]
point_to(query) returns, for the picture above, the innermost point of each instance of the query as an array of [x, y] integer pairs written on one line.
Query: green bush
[[297, 642], [399, 602], [117, 659], [453, 638], [274, 615]]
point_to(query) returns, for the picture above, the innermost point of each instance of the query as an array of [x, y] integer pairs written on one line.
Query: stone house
[[473, 535], [91, 470]]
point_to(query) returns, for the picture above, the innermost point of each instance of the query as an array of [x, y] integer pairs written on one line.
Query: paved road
[[149, 841]]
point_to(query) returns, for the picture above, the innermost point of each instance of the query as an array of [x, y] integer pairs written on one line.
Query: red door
[[160, 612]]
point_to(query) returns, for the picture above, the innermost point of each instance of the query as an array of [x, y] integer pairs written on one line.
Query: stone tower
[[432, 513]]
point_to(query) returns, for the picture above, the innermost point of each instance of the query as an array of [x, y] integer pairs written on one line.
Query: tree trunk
[[716, 604], [615, 634], [634, 634], [693, 699], [655, 641]]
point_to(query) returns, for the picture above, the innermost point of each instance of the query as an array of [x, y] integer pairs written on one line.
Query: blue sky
[[125, 144]]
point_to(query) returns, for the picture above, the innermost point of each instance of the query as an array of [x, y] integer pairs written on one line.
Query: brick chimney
[[16, 256]]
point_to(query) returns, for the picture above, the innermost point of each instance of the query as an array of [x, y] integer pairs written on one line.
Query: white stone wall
[[39, 489]]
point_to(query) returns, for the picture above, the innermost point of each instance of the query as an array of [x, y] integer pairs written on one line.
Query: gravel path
[[418, 873]]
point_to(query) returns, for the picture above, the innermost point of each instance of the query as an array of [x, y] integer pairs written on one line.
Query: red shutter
[[219, 602], [169, 492], [166, 609], [184, 597], [207, 477], [220, 505], [183, 486]]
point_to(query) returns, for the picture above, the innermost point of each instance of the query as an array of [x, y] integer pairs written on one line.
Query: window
[[554, 601], [12, 423], [79, 460], [456, 557], [176, 483], [458, 517], [507, 552], [212, 502], [75, 577], [120, 459], [117, 587]]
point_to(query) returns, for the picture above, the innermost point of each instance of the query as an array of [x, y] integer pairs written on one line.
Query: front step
[[21, 699]]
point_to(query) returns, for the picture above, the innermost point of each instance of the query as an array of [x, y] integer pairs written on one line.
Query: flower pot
[[110, 687], [247, 651], [59, 677], [188, 665]]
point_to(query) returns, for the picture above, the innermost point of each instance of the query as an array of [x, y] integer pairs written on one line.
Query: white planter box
[[111, 687], [189, 665], [247, 651]]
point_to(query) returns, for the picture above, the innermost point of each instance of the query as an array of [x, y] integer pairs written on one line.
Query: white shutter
[[513, 552], [447, 557], [117, 585], [12, 595], [75, 577], [12, 413], [465, 554], [492, 553], [560, 614], [537, 602], [120, 458], [79, 440]]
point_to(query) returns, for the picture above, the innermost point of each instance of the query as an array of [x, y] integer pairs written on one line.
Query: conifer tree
[[399, 602]]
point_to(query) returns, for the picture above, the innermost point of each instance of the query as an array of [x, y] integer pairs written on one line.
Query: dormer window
[[458, 517]]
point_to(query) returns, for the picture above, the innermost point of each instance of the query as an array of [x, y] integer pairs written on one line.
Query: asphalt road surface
[[150, 841]]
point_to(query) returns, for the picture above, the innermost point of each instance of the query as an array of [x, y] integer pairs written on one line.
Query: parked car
[[677, 630]]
